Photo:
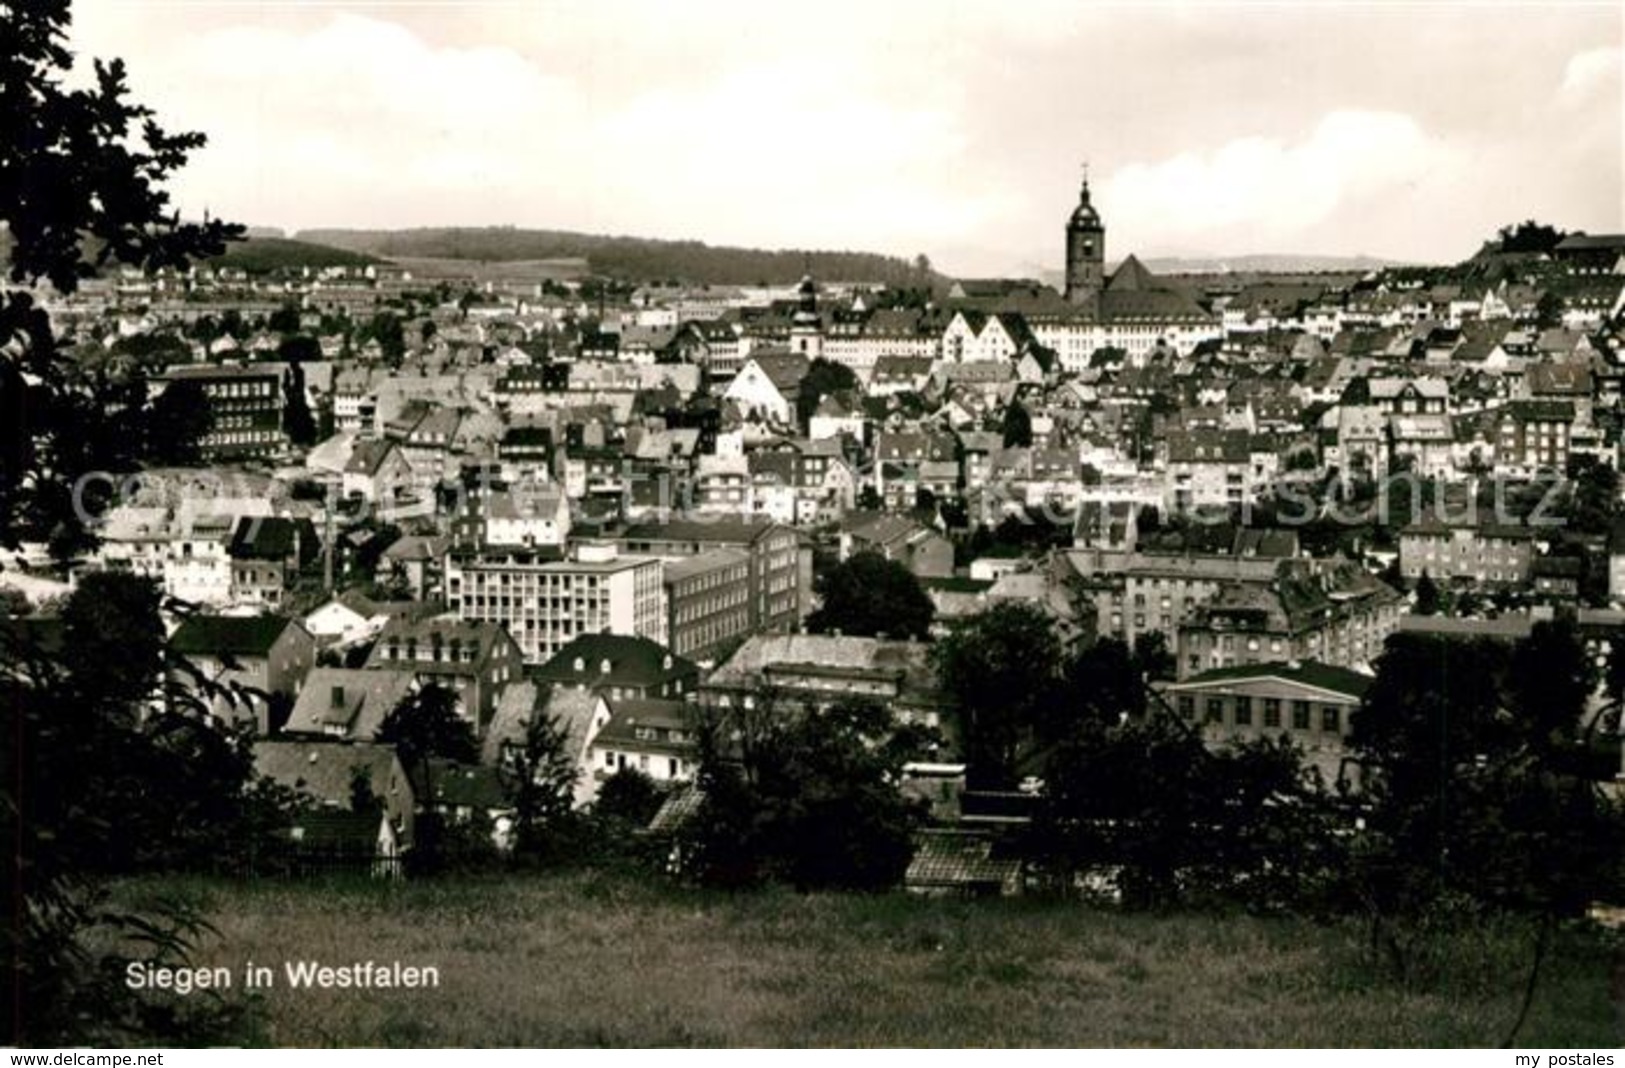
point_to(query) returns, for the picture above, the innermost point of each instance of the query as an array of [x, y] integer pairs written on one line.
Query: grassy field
[[585, 959]]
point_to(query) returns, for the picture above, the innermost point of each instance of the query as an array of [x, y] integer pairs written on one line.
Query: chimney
[[327, 543]]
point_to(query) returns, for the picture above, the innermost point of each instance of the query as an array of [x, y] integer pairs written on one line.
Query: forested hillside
[[632, 258]]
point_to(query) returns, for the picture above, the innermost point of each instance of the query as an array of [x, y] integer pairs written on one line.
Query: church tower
[[807, 326], [1085, 253]]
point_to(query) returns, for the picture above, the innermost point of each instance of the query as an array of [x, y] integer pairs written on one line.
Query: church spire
[[1085, 249]]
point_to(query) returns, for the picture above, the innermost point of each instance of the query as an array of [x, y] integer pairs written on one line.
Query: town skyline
[[1211, 130]]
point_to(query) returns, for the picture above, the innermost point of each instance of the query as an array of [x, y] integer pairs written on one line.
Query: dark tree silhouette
[[1427, 596], [870, 595], [1530, 236], [297, 422], [111, 767], [1001, 671], [540, 776], [81, 175], [629, 796], [1017, 426], [1478, 786], [285, 320], [823, 378], [802, 796], [427, 724], [178, 422]]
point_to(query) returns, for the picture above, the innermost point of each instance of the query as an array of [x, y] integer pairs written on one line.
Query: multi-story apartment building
[[1465, 550], [246, 405], [708, 602], [1137, 593], [1534, 436], [354, 399], [860, 342], [1208, 468], [477, 660], [779, 579], [545, 602], [188, 550], [1334, 612]]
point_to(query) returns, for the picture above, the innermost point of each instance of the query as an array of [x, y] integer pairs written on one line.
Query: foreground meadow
[[593, 959]]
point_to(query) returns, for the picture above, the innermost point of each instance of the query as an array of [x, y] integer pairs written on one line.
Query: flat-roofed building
[[246, 406], [708, 602], [546, 602], [780, 574]]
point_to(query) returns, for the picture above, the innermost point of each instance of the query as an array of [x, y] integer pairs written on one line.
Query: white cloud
[[796, 151], [356, 121], [1266, 191], [1589, 72], [896, 127]]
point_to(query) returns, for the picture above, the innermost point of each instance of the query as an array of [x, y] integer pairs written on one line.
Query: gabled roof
[[1389, 388], [428, 635], [1541, 411], [1590, 242], [570, 708], [353, 701], [1209, 445], [784, 369], [902, 367], [368, 456], [629, 660], [325, 770], [648, 725], [1566, 378], [229, 635], [882, 528], [1132, 275], [1312, 673], [763, 654], [273, 538]]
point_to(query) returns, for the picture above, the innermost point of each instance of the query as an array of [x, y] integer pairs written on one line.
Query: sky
[[954, 128]]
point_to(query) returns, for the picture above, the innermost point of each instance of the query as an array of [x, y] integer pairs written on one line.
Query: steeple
[[807, 325], [1085, 251], [1085, 215]]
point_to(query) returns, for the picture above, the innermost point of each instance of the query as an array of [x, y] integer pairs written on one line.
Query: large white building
[[545, 603]]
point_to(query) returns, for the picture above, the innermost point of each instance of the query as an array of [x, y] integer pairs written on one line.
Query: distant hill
[[263, 255], [631, 258], [1244, 267], [1264, 263]]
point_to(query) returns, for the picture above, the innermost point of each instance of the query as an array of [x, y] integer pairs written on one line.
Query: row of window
[[242, 437], [688, 612], [1266, 712], [240, 389], [641, 761], [712, 579], [452, 653]]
